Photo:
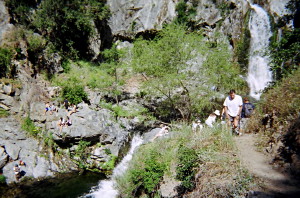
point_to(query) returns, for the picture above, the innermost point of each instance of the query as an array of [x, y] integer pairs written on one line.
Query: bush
[[187, 162], [5, 61], [28, 126], [149, 176], [74, 92], [285, 54]]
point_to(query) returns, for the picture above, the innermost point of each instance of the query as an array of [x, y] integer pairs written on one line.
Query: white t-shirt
[[233, 105]]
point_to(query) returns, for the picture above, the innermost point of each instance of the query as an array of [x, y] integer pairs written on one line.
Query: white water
[[106, 188], [259, 74]]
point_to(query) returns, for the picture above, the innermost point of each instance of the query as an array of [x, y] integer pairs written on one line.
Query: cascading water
[[259, 73], [106, 188]]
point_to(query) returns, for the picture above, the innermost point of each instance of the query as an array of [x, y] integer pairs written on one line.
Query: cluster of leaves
[[186, 167], [286, 53], [29, 126]]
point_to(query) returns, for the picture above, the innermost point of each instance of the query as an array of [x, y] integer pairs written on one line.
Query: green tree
[[69, 23]]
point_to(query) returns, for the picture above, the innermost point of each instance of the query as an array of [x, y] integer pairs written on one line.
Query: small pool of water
[[65, 186]]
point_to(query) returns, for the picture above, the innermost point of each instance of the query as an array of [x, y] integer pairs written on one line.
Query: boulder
[[3, 160], [12, 149], [42, 168]]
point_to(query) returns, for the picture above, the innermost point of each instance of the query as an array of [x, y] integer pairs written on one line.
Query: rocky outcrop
[[131, 17], [15, 145], [4, 20]]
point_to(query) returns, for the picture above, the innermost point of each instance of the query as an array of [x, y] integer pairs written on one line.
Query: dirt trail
[[276, 184]]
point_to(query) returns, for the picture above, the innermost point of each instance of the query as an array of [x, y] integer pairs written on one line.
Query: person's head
[[232, 93], [246, 100], [16, 165], [61, 118], [198, 121]]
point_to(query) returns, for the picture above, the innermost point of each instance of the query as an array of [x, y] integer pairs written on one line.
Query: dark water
[[67, 186]]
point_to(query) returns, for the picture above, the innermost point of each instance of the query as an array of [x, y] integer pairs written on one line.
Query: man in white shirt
[[233, 107]]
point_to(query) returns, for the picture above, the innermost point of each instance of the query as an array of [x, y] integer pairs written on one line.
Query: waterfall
[[106, 188], [259, 74]]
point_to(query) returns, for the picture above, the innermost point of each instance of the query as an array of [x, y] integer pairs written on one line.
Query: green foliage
[[185, 13], [49, 141], [110, 164], [69, 24], [20, 10], [28, 126], [175, 60], [4, 113], [74, 92], [5, 60], [36, 43], [95, 76], [285, 54], [151, 174], [81, 154], [2, 179], [126, 111], [187, 162], [178, 156]]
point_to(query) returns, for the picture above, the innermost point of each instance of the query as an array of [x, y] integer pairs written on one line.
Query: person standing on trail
[[247, 111], [233, 107]]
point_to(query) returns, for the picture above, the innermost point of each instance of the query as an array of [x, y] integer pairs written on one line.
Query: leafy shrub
[[74, 92], [285, 54], [28, 126], [110, 164], [151, 174], [187, 162], [5, 60], [81, 153]]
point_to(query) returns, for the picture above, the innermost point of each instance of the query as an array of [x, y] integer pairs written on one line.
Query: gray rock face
[[4, 20], [20, 147], [131, 17]]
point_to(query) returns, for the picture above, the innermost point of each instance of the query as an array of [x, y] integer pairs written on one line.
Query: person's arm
[[240, 110]]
